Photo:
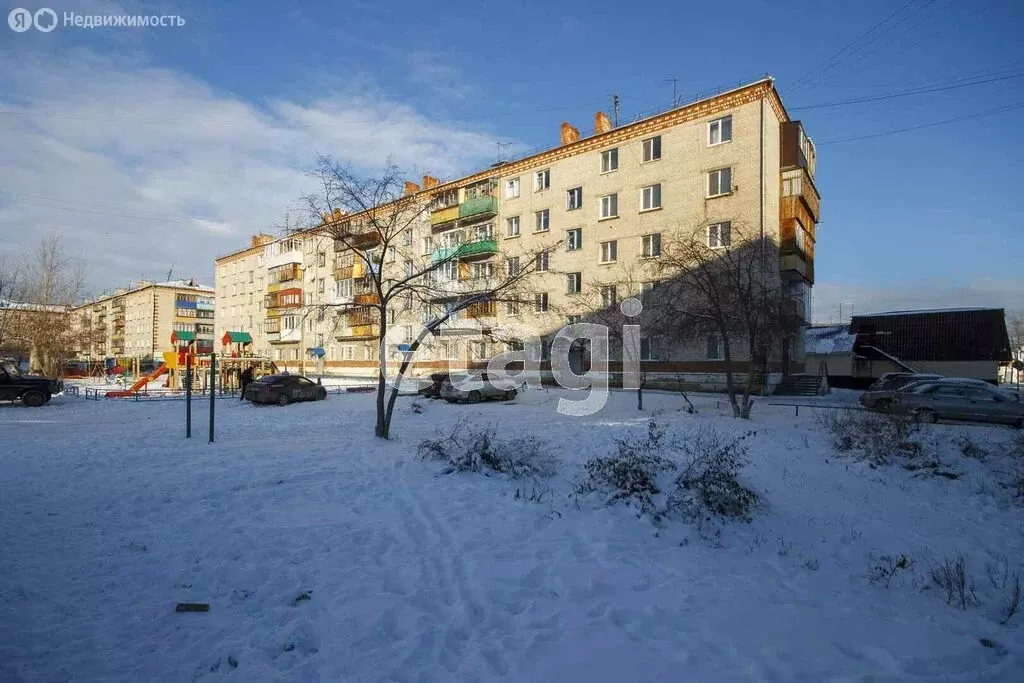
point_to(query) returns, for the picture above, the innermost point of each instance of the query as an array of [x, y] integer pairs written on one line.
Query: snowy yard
[[326, 555]]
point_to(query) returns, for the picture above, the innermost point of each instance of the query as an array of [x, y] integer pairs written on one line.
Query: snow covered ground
[[326, 555]]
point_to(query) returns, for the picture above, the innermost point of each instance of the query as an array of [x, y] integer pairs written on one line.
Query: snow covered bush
[[878, 438], [631, 473], [970, 448], [951, 576], [708, 484], [469, 448]]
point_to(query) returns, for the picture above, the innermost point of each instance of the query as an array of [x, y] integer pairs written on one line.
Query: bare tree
[[372, 220], [10, 293], [730, 290], [1015, 328]]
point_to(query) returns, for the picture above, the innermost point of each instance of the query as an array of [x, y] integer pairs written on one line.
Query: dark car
[[33, 390], [433, 390], [949, 400], [284, 389]]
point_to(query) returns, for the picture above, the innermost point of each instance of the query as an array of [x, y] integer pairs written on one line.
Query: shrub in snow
[[951, 576], [1007, 582], [970, 448], [708, 484], [878, 438], [631, 473], [468, 448], [887, 567], [416, 407]]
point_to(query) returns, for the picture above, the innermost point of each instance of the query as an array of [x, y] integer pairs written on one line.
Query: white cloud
[[140, 167]]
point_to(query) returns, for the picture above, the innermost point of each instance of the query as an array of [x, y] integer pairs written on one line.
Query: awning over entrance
[[317, 351], [236, 338]]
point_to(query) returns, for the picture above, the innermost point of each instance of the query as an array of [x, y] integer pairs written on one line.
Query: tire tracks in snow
[[462, 617]]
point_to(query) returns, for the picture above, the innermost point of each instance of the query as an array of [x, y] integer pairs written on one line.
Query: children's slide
[[143, 381]]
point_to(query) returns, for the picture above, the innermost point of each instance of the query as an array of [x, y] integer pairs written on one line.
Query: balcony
[[445, 215], [804, 202], [284, 258], [366, 299], [357, 332], [286, 273], [356, 237], [480, 207], [483, 309], [484, 247], [285, 336], [793, 266], [286, 298]]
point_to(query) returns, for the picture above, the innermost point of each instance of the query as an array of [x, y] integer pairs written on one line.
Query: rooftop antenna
[[615, 109], [675, 83], [170, 271], [501, 145]]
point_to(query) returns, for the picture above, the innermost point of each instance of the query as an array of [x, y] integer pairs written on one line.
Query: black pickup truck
[[33, 390]]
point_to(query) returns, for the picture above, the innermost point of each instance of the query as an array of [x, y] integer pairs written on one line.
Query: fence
[[91, 394]]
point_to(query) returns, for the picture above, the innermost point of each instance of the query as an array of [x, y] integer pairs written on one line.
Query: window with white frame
[[321, 287], [512, 307], [407, 238], [409, 268], [428, 245], [452, 238], [609, 160], [720, 130], [512, 266], [407, 333], [609, 206], [542, 180], [540, 302], [512, 226], [719, 182], [650, 197], [609, 251], [391, 254], [512, 188], [484, 231], [798, 235], [573, 283], [343, 289], [483, 270], [792, 187], [542, 220], [574, 199], [450, 271], [650, 245], [716, 349], [720, 235], [649, 348], [543, 260], [652, 148], [609, 296], [573, 239]]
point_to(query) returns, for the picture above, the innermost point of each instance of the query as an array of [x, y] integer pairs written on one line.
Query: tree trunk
[[640, 391]]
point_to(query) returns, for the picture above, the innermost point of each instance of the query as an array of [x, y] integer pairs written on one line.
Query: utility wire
[[907, 93], [955, 119]]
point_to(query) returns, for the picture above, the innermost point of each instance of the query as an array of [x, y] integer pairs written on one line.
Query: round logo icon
[[20, 19], [45, 20], [631, 307]]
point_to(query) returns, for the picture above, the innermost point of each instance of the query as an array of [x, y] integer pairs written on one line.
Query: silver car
[[945, 400], [474, 388]]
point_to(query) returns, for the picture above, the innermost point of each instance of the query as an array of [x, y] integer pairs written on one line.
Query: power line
[[906, 93], [955, 119], [836, 58]]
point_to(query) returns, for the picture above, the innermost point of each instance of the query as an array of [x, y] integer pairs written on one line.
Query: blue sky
[[177, 143]]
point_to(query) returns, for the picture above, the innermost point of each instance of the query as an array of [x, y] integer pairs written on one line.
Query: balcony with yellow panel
[[444, 216]]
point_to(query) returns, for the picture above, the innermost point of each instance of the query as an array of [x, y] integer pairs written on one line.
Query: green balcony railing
[[478, 205], [478, 247]]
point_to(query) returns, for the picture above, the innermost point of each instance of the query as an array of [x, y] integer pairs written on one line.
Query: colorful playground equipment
[[141, 382]]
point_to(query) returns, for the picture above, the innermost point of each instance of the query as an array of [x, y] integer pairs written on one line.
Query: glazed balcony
[[293, 256], [356, 237], [804, 202], [285, 336], [358, 332], [444, 216], [476, 249], [483, 309], [286, 298], [286, 273], [480, 207], [365, 299]]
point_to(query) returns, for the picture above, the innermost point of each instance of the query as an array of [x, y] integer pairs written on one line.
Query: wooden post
[[213, 393]]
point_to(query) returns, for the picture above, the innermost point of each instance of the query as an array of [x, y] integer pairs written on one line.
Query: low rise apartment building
[[727, 165], [138, 321]]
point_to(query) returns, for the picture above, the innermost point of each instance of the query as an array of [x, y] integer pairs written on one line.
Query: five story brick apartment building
[[608, 200]]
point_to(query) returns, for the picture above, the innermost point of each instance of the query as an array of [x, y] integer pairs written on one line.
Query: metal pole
[[213, 393], [188, 397]]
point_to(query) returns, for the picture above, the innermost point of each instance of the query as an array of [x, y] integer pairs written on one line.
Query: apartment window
[[512, 266], [540, 302], [792, 187], [573, 319], [321, 286], [650, 197], [609, 296], [719, 182], [483, 270], [719, 235], [512, 307], [428, 245], [484, 232], [251, 275], [609, 251], [609, 160], [573, 283], [512, 226], [648, 349], [321, 262], [543, 259], [715, 350], [652, 148], [542, 180], [650, 245], [391, 254], [574, 199], [609, 206], [512, 188], [407, 238], [647, 293], [573, 239], [343, 289], [798, 235], [720, 130], [409, 268], [542, 220]]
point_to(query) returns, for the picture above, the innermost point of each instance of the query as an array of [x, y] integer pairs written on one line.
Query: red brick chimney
[[411, 187], [570, 133], [601, 123], [429, 181]]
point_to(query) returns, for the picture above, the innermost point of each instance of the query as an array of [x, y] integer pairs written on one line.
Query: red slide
[[145, 379]]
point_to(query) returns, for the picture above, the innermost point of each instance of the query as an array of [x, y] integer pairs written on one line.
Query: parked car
[[433, 390], [895, 380], [33, 390], [474, 388], [949, 400], [284, 389]]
